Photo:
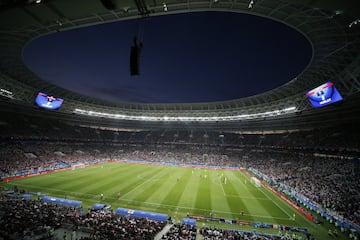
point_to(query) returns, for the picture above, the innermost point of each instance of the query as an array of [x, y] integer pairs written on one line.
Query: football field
[[176, 191]]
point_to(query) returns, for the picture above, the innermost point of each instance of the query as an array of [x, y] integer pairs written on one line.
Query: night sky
[[186, 58]]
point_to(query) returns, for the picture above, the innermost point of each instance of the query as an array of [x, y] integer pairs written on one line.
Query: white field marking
[[222, 187], [140, 176], [79, 194], [253, 198], [276, 204], [282, 209], [94, 198], [74, 193], [216, 182], [143, 183], [53, 176], [192, 208]]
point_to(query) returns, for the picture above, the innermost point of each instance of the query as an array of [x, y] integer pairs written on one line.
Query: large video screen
[[44, 100], [324, 95]]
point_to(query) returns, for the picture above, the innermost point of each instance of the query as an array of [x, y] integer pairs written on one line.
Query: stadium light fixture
[[338, 12], [355, 22], [166, 118], [33, 1], [6, 93], [251, 3]]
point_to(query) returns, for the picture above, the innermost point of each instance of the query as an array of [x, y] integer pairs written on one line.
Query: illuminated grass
[[175, 191]]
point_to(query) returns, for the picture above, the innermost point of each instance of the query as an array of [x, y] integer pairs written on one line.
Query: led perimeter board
[[49, 102], [324, 95]]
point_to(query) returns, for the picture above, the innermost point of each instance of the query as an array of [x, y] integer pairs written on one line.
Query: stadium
[[281, 164]]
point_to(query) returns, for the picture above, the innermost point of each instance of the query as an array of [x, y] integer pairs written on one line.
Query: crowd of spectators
[[217, 234], [107, 225], [332, 183], [24, 219], [16, 125], [18, 158], [320, 165], [181, 232], [33, 156], [35, 219]]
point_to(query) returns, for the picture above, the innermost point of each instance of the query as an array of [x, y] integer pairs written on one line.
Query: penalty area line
[[276, 204], [145, 182]]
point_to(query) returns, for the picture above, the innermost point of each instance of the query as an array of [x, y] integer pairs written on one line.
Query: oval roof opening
[[185, 58]]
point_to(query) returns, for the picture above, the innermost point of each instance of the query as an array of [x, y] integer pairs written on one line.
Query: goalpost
[[256, 182]]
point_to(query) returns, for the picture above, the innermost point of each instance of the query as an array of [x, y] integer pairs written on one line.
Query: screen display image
[[324, 95], [49, 102]]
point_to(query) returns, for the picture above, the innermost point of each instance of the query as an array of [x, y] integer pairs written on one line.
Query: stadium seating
[[320, 165]]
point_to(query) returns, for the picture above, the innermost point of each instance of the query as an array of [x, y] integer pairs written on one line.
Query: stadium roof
[[330, 28]]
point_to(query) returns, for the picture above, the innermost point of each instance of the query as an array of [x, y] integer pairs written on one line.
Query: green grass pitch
[[175, 191]]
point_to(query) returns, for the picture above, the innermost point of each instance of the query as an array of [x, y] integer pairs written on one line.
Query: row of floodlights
[[6, 93], [355, 22], [187, 119]]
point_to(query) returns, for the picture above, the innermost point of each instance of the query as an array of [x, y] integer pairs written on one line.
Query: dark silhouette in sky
[[185, 58], [135, 57]]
